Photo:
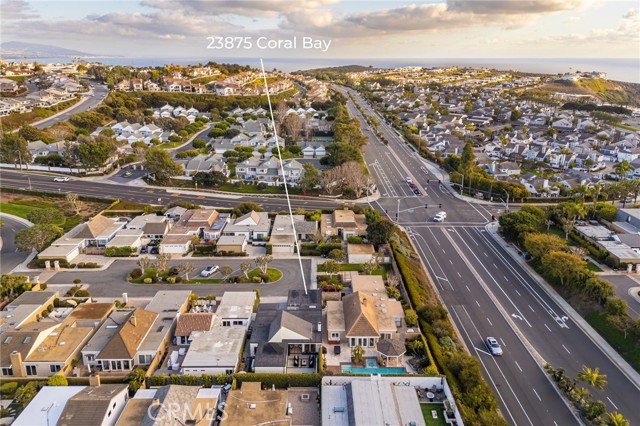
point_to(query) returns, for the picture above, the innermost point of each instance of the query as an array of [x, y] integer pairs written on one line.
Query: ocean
[[617, 69]]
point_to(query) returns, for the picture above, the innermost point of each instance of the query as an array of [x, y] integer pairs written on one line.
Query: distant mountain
[[613, 92], [21, 49]]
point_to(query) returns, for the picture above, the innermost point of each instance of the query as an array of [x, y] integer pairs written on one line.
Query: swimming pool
[[372, 368]]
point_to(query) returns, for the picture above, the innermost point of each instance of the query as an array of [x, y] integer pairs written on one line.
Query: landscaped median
[[464, 375], [180, 275]]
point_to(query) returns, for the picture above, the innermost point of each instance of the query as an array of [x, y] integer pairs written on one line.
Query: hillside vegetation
[[614, 92]]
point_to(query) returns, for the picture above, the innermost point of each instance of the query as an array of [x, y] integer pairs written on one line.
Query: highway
[[151, 195], [488, 293]]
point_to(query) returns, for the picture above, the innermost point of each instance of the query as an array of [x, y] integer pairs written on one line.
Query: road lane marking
[[485, 253], [444, 251], [547, 327], [477, 303], [517, 291], [503, 343], [459, 274], [494, 265], [614, 405], [468, 288], [518, 365], [531, 308], [451, 261], [490, 323], [534, 391], [565, 348]]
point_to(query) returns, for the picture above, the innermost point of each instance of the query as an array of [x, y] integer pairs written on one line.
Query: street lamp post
[[20, 158]]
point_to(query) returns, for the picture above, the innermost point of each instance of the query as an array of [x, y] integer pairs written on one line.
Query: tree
[[562, 265], [225, 271], [379, 232], [339, 153], [351, 174], [135, 378], [331, 267], [310, 177], [14, 285], [74, 202], [162, 263], [158, 162], [186, 268], [540, 244], [593, 409], [57, 380], [411, 318], [467, 160], [616, 306], [198, 143], [371, 215], [357, 353], [144, 263], [338, 255], [13, 149], [45, 216], [213, 179], [616, 419], [292, 125], [95, 153], [245, 267], [246, 207], [593, 377], [622, 168], [37, 237], [263, 261], [25, 393]]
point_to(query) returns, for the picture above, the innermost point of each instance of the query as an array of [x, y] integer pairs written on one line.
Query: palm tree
[[580, 394], [622, 168], [616, 419], [593, 377]]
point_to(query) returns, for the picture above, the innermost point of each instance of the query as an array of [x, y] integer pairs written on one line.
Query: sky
[[355, 29]]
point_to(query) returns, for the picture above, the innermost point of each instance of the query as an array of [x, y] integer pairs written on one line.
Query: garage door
[[282, 248]]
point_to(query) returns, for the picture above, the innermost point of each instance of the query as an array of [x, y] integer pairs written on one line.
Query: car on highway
[[412, 186], [127, 173], [417, 191], [209, 270], [408, 179], [493, 346], [440, 217], [61, 179]]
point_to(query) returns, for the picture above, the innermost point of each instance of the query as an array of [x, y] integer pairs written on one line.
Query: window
[[31, 370], [91, 357], [140, 359], [7, 340], [335, 336], [229, 372], [226, 323], [371, 343], [55, 368], [237, 323], [126, 364], [7, 371]]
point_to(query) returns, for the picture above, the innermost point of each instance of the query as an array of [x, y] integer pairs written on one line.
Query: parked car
[[154, 250], [493, 346], [143, 249], [417, 191], [61, 179], [209, 270], [408, 179], [440, 217], [127, 173], [412, 186]]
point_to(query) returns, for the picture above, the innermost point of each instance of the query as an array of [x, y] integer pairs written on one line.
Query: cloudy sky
[[357, 29]]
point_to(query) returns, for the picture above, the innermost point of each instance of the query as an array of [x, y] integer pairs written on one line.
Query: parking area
[[112, 282]]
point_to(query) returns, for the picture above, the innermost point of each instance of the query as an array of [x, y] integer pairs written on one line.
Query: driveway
[[10, 257], [112, 282]]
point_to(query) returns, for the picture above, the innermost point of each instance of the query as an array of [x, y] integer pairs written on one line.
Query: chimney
[[94, 380], [16, 364], [319, 326], [133, 321], [125, 298]]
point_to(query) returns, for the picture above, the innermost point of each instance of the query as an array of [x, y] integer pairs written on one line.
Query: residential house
[[366, 316], [190, 322], [214, 232], [273, 405], [191, 224], [168, 304], [38, 149], [288, 340], [236, 308], [343, 223], [7, 85], [43, 348], [232, 244], [254, 226], [360, 253], [282, 236], [25, 308], [95, 404], [216, 351]]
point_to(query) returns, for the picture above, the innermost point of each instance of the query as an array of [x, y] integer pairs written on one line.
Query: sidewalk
[[625, 368]]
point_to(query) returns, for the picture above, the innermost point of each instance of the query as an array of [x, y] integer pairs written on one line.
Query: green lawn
[[199, 280], [274, 274], [16, 209], [428, 418], [382, 270], [628, 348], [593, 267]]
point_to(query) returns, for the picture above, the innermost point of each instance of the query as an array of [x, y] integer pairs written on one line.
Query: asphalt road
[[113, 281], [100, 92], [490, 294], [108, 189], [622, 285], [10, 257]]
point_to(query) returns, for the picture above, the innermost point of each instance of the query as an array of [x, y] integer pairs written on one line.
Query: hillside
[[613, 92], [340, 69], [32, 50]]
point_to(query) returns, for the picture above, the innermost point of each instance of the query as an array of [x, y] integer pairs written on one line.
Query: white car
[[408, 179], [61, 179], [209, 270], [493, 346], [440, 217]]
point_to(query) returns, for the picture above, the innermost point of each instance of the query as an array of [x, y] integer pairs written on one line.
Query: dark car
[[154, 250], [143, 249], [412, 186], [417, 191]]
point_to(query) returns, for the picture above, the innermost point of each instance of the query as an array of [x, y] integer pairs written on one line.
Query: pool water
[[372, 368]]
